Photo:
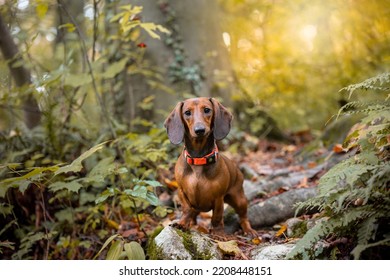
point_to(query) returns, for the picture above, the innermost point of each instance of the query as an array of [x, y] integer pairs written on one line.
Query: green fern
[[354, 196], [380, 82], [307, 246]]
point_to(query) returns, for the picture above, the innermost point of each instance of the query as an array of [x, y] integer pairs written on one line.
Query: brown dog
[[206, 179]]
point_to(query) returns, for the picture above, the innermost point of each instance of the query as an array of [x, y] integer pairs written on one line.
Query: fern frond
[[324, 228], [379, 82], [355, 193], [352, 108], [367, 230], [357, 251], [341, 175]]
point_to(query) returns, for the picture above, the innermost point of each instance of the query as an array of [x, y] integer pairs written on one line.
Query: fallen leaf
[[229, 247], [173, 185], [129, 232], [303, 183], [112, 224], [281, 231], [338, 149], [256, 240]]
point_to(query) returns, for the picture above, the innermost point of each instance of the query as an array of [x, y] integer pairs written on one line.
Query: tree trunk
[[198, 39], [20, 74]]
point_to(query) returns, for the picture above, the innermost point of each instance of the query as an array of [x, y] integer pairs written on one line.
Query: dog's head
[[198, 118]]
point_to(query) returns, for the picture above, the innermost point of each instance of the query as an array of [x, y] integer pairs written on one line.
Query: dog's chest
[[200, 191]]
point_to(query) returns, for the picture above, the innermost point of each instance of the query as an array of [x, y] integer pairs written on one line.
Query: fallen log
[[271, 211]]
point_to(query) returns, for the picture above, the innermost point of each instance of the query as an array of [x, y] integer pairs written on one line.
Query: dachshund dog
[[206, 178]]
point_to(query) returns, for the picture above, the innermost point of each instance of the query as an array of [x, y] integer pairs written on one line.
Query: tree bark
[[271, 211], [20, 74], [197, 24]]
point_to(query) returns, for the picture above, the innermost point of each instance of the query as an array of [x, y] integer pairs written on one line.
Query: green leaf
[[137, 191], [35, 171], [6, 244], [106, 194], [152, 199], [23, 185], [134, 251], [5, 209], [76, 165], [68, 26], [151, 29], [72, 186], [161, 211], [356, 252], [65, 215], [115, 68], [104, 168], [77, 80], [115, 250], [106, 244], [153, 183]]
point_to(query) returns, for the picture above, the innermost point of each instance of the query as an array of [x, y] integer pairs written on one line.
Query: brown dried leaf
[[281, 231], [338, 149], [229, 247]]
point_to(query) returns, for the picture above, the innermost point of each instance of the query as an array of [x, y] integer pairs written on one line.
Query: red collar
[[207, 159]]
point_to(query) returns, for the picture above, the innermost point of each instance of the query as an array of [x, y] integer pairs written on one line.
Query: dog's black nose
[[200, 130]]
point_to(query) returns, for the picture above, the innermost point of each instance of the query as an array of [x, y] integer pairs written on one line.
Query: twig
[[91, 73], [46, 256], [95, 27], [137, 217]]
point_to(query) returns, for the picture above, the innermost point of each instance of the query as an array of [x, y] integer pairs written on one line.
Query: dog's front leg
[[189, 215], [217, 219]]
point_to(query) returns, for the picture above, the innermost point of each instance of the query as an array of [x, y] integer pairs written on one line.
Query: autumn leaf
[[303, 183], [257, 240], [41, 9], [281, 231], [112, 224], [229, 247], [338, 149], [171, 184]]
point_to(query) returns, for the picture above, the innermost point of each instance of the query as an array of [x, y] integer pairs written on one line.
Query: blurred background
[[85, 86], [84, 64]]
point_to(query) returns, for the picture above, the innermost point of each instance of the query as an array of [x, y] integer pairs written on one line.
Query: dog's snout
[[199, 130]]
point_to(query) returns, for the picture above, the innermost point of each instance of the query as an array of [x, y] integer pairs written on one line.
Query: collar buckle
[[207, 159]]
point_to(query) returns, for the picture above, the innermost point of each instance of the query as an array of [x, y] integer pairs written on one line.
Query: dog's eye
[[187, 113], [207, 110]]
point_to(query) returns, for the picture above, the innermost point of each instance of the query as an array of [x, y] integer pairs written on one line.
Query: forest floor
[[272, 170], [265, 163]]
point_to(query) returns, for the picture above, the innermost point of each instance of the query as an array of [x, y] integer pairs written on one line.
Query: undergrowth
[[64, 205], [70, 186], [354, 196]]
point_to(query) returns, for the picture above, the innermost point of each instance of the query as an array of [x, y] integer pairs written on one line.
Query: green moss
[[191, 247], [153, 252]]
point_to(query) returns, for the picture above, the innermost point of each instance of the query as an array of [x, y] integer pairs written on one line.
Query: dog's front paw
[[179, 225]]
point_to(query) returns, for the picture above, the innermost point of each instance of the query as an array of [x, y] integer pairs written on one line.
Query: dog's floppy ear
[[222, 120], [174, 125]]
